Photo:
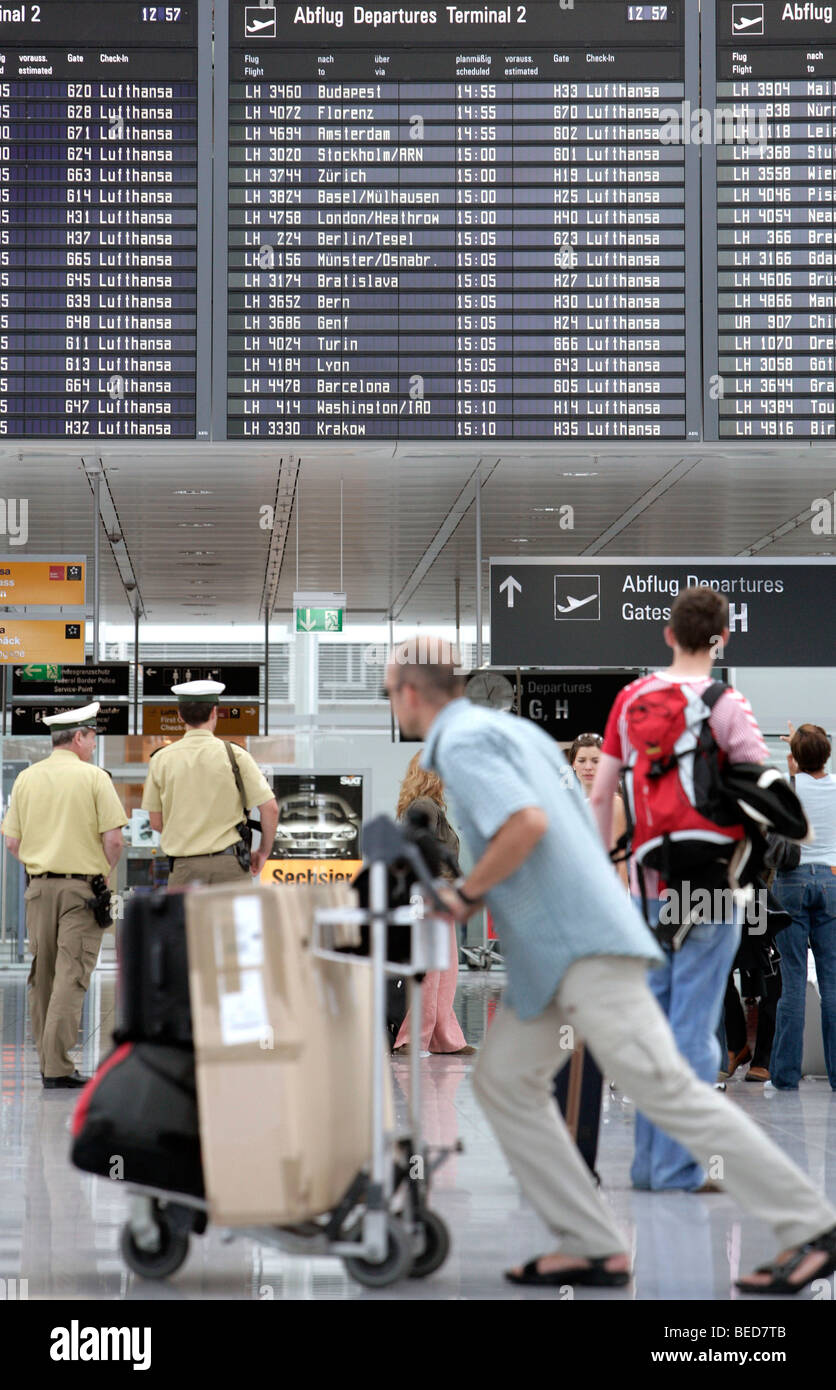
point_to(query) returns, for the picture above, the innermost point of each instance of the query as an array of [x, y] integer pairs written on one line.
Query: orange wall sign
[[52, 582], [278, 871], [41, 641], [234, 721]]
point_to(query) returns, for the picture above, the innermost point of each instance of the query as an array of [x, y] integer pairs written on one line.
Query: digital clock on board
[[652, 13], [161, 14]]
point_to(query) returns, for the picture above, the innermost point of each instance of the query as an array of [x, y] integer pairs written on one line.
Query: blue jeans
[[690, 988], [809, 895]]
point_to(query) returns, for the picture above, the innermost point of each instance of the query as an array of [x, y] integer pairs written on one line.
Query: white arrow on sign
[[509, 586], [307, 622]]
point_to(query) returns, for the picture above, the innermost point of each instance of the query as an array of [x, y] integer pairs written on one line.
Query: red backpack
[[681, 821]]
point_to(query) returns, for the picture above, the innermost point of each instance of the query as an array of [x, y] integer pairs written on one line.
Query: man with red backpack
[[671, 733]]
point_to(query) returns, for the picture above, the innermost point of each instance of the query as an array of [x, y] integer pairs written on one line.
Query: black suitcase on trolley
[[152, 1002]]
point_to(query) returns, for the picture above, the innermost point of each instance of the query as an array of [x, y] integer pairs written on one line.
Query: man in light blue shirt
[[577, 954], [506, 767]]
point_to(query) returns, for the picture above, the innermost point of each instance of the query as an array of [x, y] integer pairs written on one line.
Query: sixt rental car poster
[[319, 830]]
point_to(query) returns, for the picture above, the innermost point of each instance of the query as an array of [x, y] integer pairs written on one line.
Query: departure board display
[[457, 223], [103, 241], [770, 221]]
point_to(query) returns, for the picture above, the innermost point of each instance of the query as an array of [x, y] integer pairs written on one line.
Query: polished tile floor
[[59, 1229]]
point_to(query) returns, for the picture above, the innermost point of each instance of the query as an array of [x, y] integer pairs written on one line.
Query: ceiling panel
[[173, 499]]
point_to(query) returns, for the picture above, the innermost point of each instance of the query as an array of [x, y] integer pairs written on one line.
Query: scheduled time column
[[485, 303], [14, 241]]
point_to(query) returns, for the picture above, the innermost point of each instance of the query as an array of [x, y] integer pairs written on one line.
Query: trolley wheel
[[393, 1267], [436, 1245], [155, 1264]]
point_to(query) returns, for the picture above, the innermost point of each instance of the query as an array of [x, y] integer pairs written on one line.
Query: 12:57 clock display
[[162, 14]]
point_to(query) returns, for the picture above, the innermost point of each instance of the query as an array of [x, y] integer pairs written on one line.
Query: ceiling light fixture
[[99, 486], [283, 505], [580, 475], [197, 552], [193, 492], [195, 525]]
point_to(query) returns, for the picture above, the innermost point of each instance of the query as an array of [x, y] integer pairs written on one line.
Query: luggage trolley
[[383, 1228]]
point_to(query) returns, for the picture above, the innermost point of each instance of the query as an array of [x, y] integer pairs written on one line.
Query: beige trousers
[[64, 939], [207, 868], [606, 1001]]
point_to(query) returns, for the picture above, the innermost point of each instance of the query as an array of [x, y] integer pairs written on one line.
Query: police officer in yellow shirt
[[194, 800], [64, 825]]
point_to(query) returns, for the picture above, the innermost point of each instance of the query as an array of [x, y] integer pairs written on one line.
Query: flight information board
[[105, 208], [770, 221], [457, 223]]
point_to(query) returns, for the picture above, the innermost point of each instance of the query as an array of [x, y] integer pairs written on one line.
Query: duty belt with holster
[[100, 903]]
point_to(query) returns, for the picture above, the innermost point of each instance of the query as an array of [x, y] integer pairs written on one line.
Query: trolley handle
[[384, 840], [429, 948]]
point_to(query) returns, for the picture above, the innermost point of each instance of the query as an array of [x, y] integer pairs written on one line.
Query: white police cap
[[204, 692], [71, 719]]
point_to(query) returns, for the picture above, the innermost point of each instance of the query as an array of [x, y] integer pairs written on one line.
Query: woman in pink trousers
[[440, 1031]]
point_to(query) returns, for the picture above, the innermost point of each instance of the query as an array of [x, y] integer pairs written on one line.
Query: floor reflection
[[59, 1228]]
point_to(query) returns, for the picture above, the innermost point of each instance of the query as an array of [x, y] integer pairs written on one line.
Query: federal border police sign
[[590, 612]]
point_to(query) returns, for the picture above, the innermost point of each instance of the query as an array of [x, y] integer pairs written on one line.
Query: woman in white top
[[809, 895], [584, 757]]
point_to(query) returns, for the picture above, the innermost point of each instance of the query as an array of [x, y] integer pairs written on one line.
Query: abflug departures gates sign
[[611, 612]]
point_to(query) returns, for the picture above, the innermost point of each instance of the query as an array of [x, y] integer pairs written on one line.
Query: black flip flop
[[781, 1270], [594, 1275]]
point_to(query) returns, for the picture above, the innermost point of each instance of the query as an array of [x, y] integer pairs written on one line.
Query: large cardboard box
[[284, 1054]]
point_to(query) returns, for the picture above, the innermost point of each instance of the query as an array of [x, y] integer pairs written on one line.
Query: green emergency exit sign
[[318, 610], [40, 673], [319, 619]]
